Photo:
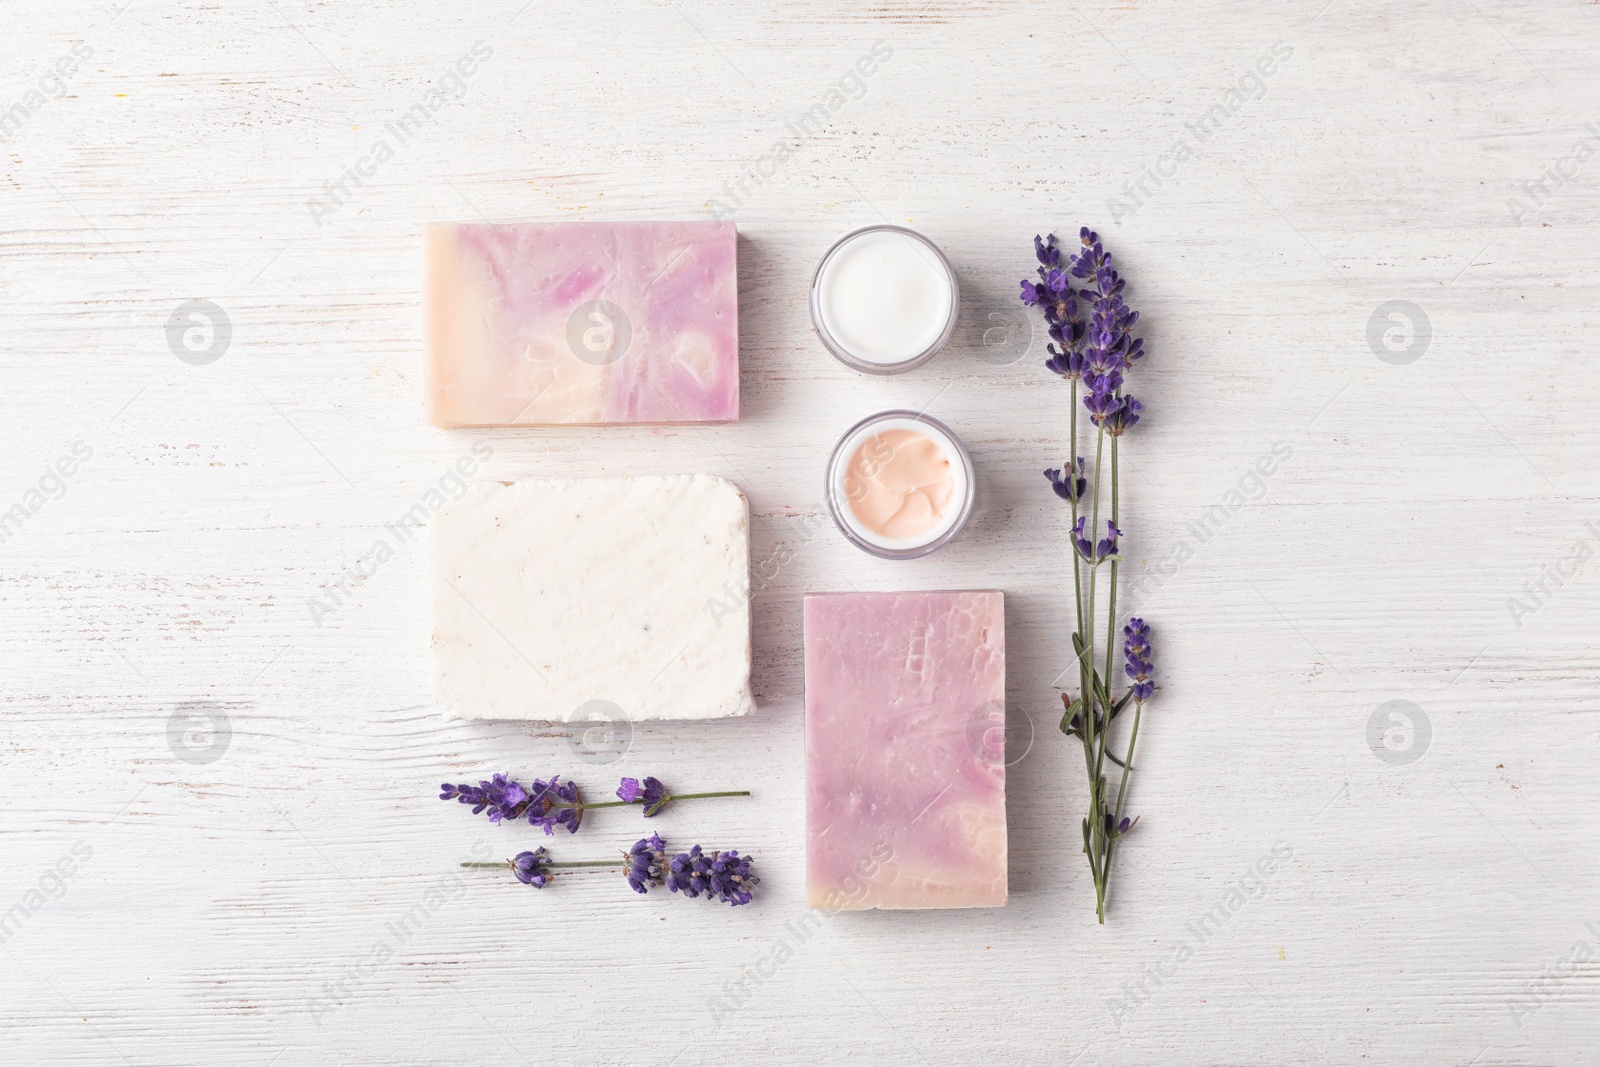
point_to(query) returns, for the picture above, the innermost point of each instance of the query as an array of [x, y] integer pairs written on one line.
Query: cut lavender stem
[[721, 875], [1091, 341]]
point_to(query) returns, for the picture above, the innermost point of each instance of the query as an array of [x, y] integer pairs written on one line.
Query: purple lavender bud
[[723, 875], [1136, 658], [569, 816], [1073, 486], [1123, 416], [730, 876], [1101, 400], [647, 861], [530, 868], [1080, 539], [1049, 255], [650, 791], [501, 797], [1118, 828], [1068, 364], [1108, 543]]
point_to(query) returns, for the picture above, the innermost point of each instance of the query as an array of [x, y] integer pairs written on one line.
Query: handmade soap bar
[[905, 750], [596, 599], [582, 322]]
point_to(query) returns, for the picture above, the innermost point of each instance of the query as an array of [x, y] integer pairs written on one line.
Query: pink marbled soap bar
[[582, 322], [905, 750]]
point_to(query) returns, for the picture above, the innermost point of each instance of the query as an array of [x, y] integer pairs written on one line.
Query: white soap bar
[[549, 596]]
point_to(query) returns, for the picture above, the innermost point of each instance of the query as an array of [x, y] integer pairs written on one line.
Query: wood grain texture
[[1439, 912]]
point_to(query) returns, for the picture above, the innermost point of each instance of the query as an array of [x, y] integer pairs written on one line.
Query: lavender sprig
[[717, 875], [654, 796], [557, 803], [547, 804], [1092, 346]]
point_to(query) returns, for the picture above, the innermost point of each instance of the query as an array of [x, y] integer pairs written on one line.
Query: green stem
[[565, 863], [1122, 789], [1127, 763], [1092, 695], [1085, 688], [1111, 612], [585, 806], [1102, 882], [1072, 469]]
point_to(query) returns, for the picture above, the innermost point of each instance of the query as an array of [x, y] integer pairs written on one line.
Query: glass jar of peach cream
[[900, 484]]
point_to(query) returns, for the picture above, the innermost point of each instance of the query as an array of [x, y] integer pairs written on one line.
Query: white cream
[[885, 296]]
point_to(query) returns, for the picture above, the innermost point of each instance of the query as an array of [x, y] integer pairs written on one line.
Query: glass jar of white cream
[[900, 484], [884, 299]]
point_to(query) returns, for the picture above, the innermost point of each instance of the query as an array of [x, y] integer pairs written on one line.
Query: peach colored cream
[[899, 483]]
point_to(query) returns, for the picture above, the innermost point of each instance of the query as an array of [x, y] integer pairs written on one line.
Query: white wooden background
[[1437, 910]]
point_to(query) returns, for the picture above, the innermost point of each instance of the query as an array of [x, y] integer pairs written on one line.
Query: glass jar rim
[[836, 506], [837, 349]]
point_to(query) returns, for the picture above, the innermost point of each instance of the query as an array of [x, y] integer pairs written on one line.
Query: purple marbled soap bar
[[905, 750], [582, 322]]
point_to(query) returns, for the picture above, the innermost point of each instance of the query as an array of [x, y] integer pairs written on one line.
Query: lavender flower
[[724, 875], [531, 868], [500, 796], [647, 862], [1073, 486], [651, 792], [1098, 347], [1117, 829], [561, 798], [1054, 295], [1123, 416], [1136, 656], [1107, 545], [1066, 364], [547, 804], [1102, 398]]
